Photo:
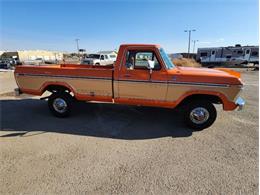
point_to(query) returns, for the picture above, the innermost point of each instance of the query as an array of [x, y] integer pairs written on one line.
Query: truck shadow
[[31, 116]]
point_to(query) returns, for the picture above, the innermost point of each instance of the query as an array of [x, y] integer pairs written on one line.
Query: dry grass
[[186, 62]]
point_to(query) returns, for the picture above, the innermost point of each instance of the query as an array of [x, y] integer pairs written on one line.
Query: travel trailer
[[228, 56]]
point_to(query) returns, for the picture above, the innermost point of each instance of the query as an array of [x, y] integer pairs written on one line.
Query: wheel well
[[56, 88], [212, 98]]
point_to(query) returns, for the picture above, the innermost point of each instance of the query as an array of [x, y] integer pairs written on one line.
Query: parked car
[[4, 65], [99, 59], [7, 63], [142, 75]]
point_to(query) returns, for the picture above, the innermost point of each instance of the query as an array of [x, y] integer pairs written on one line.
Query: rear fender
[[62, 84]]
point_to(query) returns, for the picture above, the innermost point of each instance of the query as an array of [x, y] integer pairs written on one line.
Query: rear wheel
[[200, 114], [60, 104]]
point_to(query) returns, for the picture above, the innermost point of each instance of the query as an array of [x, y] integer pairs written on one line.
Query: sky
[[104, 25]]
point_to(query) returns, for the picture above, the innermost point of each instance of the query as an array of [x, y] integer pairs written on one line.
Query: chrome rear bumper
[[240, 102]]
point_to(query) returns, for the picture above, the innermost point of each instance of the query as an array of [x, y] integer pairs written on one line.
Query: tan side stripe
[[129, 80]]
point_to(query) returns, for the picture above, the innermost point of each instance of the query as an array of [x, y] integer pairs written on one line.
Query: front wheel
[[60, 104], [199, 115]]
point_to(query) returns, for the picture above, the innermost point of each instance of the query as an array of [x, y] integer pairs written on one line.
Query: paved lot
[[108, 149]]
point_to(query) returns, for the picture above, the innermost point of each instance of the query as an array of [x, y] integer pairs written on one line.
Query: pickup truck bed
[[78, 78]]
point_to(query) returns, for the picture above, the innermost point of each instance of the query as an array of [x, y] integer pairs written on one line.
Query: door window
[[139, 60]]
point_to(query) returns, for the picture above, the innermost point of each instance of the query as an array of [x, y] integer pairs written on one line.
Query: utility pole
[[77, 42], [194, 42], [189, 31]]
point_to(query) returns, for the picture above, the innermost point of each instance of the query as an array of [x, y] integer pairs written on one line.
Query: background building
[[45, 55], [27, 55]]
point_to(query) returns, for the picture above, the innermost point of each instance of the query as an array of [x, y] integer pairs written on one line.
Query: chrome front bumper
[[240, 102]]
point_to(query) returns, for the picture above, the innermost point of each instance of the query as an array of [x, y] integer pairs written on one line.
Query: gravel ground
[[116, 149]]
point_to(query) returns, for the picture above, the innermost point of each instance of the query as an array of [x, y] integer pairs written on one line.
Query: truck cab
[[141, 75]]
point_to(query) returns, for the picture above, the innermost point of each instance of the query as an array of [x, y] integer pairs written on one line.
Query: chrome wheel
[[60, 105], [199, 115]]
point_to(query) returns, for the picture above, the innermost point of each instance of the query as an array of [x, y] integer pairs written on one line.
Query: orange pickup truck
[[141, 75]]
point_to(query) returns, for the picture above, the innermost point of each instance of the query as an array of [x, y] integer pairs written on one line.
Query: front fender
[[227, 105]]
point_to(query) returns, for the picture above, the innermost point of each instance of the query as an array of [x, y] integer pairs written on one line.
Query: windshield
[[96, 56], [168, 63]]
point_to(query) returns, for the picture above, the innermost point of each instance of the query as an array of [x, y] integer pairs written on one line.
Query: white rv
[[229, 56]]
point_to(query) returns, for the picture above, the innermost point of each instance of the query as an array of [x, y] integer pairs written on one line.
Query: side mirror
[[150, 64], [150, 67]]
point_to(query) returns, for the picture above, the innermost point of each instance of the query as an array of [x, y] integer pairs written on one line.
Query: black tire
[[203, 106], [97, 64], [63, 97]]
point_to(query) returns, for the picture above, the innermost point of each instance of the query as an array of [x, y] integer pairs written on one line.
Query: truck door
[[109, 61], [136, 84], [102, 60]]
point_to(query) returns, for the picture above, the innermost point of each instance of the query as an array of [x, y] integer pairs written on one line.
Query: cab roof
[[139, 44]]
